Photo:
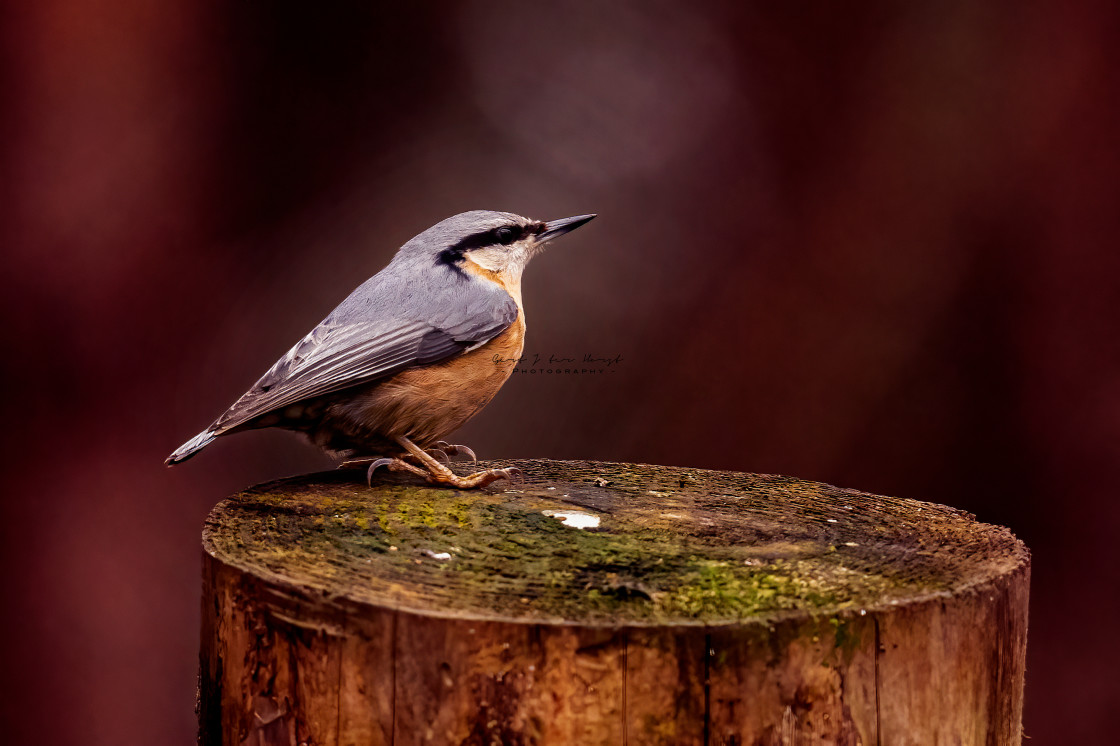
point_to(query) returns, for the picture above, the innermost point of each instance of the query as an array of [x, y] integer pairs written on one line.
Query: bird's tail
[[191, 447]]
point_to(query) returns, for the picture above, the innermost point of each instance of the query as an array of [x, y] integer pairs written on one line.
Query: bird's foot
[[374, 463], [478, 479], [437, 473], [437, 451], [431, 466], [452, 450], [444, 476]]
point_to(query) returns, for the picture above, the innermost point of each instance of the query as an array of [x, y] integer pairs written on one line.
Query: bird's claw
[[450, 449], [375, 465]]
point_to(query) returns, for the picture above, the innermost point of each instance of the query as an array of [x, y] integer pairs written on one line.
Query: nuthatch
[[412, 354]]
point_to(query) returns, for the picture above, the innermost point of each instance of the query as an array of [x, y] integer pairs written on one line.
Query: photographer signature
[[536, 359]]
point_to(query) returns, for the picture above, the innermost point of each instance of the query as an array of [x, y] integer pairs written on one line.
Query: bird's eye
[[505, 236]]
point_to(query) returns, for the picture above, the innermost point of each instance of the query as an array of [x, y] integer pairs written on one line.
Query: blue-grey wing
[[381, 329]]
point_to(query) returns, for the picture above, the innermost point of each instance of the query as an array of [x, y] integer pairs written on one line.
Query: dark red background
[[871, 244]]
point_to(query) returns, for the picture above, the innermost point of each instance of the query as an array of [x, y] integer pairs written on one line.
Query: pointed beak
[[556, 228]]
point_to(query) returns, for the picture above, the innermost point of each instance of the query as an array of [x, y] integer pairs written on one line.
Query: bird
[[408, 357]]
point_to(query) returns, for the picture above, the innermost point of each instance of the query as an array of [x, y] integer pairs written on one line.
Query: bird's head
[[496, 245]]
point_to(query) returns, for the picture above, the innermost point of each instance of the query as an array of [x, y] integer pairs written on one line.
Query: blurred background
[[871, 244]]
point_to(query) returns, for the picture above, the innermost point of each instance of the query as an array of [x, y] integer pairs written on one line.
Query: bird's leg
[[450, 449], [356, 461], [435, 452], [440, 474]]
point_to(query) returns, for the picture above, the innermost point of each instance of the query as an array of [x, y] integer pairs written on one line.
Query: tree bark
[[703, 608]]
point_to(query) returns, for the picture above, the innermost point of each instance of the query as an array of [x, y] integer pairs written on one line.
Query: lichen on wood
[[671, 546]]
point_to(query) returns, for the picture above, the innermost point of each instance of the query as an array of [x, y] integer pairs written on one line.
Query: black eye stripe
[[491, 238]]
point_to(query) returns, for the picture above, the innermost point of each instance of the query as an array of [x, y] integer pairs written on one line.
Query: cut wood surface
[[691, 607]]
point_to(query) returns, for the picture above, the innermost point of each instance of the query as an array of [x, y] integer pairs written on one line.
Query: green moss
[[384, 545]]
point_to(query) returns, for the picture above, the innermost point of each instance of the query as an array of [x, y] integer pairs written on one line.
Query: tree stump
[[602, 603]]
